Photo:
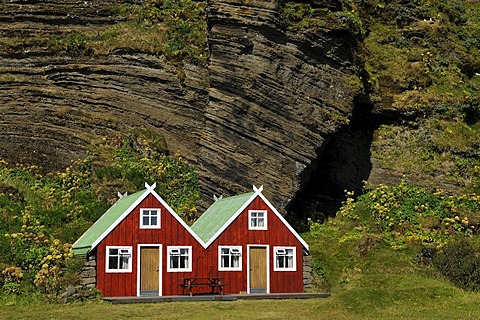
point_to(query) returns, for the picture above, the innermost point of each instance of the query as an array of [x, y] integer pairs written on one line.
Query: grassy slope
[[453, 306], [385, 283], [427, 71]]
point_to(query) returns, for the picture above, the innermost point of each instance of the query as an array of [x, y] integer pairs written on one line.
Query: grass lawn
[[388, 297]]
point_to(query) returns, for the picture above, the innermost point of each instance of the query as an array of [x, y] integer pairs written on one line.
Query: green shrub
[[459, 262]]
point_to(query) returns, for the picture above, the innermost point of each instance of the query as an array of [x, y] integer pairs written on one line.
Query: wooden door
[[149, 271], [258, 270]]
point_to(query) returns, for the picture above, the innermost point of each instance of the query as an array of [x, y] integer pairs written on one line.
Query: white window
[[230, 258], [257, 220], [119, 259], [150, 218], [285, 259], [179, 259]]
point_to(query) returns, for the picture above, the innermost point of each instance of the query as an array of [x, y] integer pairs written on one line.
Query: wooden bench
[[212, 282]]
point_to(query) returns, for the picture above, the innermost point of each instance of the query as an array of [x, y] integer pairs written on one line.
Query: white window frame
[[171, 249], [128, 251], [230, 254], [149, 226], [278, 251], [250, 218]]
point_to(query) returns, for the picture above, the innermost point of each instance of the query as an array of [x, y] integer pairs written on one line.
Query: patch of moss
[[175, 28], [424, 48], [310, 18]]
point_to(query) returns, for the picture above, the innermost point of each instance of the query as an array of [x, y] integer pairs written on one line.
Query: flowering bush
[[28, 245], [49, 277], [11, 278], [410, 214]]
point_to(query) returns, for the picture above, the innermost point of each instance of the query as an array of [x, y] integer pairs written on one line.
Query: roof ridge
[[235, 196]]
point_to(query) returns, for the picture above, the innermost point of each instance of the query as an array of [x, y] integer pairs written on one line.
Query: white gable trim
[[304, 244], [120, 219], [177, 217], [149, 190], [258, 192], [220, 231]]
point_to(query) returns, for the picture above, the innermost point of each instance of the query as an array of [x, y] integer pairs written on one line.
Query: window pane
[[225, 260], [113, 262], [289, 262], [261, 222], [183, 262], [153, 221], [174, 261], [112, 252], [145, 221], [235, 262], [123, 262]]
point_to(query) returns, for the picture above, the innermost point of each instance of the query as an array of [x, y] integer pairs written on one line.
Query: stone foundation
[[88, 276], [86, 290], [307, 271]]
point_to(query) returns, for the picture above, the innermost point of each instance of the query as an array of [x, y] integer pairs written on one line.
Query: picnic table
[[212, 282]]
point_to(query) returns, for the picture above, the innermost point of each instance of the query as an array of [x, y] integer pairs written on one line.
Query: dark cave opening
[[343, 163]]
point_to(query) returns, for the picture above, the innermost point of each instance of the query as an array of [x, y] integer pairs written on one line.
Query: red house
[[250, 245], [241, 244]]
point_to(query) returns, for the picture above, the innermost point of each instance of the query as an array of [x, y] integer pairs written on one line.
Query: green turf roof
[[84, 244], [218, 215]]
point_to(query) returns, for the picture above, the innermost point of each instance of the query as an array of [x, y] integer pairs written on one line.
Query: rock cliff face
[[54, 102], [259, 113], [274, 97]]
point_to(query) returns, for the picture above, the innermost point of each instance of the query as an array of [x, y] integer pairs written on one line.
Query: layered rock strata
[[274, 97], [259, 113], [53, 104]]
